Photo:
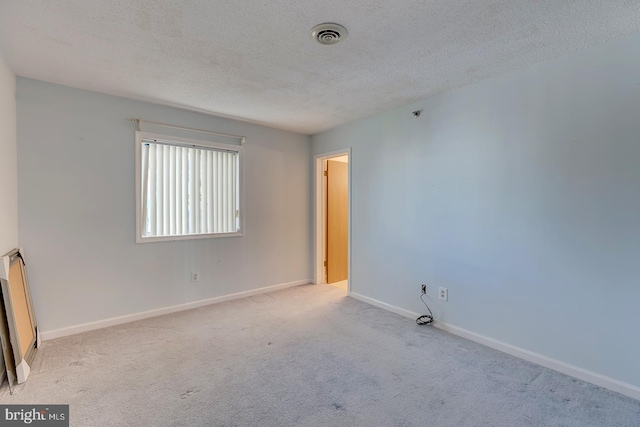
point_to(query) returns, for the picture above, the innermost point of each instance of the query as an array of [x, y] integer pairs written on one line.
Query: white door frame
[[319, 209]]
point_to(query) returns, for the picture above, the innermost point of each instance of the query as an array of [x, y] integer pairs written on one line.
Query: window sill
[[141, 239]]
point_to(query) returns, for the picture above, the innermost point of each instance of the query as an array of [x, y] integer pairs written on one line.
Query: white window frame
[[140, 136]]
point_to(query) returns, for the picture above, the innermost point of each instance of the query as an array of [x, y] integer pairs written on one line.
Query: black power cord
[[427, 319]]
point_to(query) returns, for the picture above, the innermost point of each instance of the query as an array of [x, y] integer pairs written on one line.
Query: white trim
[[90, 326], [385, 306], [547, 362], [556, 365], [318, 217]]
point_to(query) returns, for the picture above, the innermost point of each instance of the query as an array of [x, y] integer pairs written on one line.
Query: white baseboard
[[573, 371], [385, 306], [84, 327]]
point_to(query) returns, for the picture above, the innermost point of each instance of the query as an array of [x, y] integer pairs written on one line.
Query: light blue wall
[[77, 210], [520, 194]]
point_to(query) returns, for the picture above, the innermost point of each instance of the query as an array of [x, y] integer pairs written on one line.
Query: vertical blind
[[188, 190]]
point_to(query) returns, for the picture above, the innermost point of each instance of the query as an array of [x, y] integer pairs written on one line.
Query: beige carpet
[[306, 356], [343, 284]]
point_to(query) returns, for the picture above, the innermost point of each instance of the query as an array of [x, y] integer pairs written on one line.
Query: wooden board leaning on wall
[[18, 327]]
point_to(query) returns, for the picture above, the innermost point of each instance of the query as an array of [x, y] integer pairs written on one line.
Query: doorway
[[333, 219]]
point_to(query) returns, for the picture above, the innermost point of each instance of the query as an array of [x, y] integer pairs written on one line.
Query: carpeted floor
[[305, 356], [343, 284]]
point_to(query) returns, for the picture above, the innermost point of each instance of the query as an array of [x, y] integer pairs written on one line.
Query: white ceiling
[[255, 59]]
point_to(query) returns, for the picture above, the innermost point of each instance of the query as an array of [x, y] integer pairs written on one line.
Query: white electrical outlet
[[443, 294], [195, 277]]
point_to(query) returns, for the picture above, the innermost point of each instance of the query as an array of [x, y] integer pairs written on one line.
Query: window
[[186, 188]]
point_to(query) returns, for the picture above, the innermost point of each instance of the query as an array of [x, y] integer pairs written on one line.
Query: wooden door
[[337, 221]]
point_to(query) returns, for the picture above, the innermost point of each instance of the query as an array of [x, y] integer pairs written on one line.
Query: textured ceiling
[[255, 60]]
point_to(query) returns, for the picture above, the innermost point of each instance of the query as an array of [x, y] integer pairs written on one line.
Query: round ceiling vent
[[329, 33]]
